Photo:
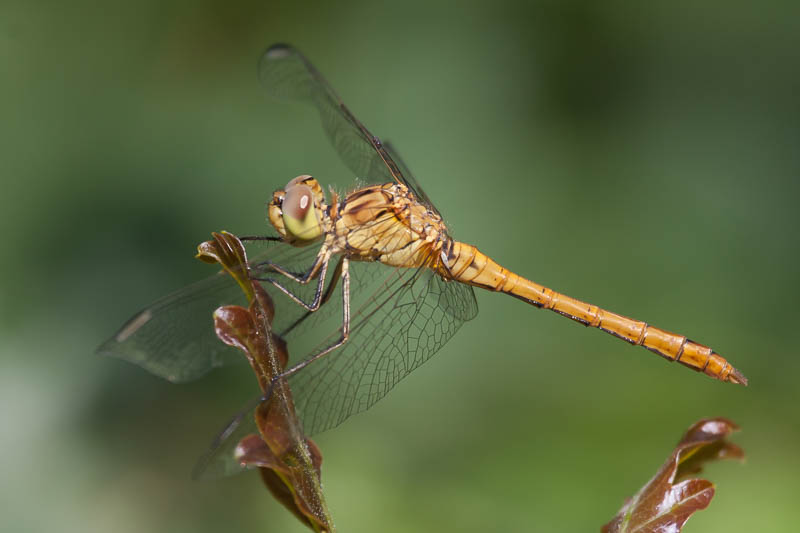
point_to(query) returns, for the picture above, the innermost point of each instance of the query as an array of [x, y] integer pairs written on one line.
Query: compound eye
[[297, 202], [299, 214]]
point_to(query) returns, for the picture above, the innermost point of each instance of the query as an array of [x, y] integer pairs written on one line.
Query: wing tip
[[278, 51]]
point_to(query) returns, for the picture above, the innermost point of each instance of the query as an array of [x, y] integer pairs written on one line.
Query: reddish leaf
[[663, 505], [236, 326], [227, 250], [252, 450], [289, 463]]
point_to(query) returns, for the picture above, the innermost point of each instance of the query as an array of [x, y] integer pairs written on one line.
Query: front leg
[[319, 269], [322, 257], [337, 273]]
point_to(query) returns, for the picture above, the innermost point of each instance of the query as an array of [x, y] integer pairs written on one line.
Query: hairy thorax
[[386, 223]]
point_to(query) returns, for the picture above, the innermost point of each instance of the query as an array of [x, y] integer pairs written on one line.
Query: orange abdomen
[[468, 265]]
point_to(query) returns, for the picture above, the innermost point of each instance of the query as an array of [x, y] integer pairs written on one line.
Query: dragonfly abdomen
[[467, 264]]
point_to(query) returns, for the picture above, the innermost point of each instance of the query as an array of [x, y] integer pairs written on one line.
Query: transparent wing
[[409, 178], [219, 461], [409, 316], [174, 337], [286, 73], [393, 333]]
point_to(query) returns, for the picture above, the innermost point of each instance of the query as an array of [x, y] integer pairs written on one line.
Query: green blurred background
[[642, 158]]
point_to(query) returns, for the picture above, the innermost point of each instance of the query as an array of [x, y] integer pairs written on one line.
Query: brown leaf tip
[[709, 430]]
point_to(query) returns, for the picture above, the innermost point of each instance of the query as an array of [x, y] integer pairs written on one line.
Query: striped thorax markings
[[385, 223]]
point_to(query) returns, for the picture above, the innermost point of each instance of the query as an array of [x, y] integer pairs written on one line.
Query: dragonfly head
[[296, 211]]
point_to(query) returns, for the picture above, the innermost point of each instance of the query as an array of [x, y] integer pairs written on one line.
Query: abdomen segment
[[468, 265]]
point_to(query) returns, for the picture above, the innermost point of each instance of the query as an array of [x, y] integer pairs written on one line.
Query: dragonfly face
[[297, 211]]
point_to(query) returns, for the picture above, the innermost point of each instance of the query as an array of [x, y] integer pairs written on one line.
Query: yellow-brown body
[[468, 265], [386, 223]]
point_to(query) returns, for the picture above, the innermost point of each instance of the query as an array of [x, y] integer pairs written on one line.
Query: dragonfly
[[405, 285]]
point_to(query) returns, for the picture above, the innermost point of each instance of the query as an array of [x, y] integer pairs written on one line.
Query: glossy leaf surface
[[667, 501]]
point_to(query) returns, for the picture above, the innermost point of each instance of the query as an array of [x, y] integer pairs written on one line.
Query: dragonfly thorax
[[387, 223]]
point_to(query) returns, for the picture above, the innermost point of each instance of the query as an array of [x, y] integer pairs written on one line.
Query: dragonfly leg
[[345, 326], [337, 273], [322, 258], [319, 268]]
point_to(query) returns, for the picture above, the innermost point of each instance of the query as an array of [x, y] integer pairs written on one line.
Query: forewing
[[286, 73], [174, 337], [409, 179]]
